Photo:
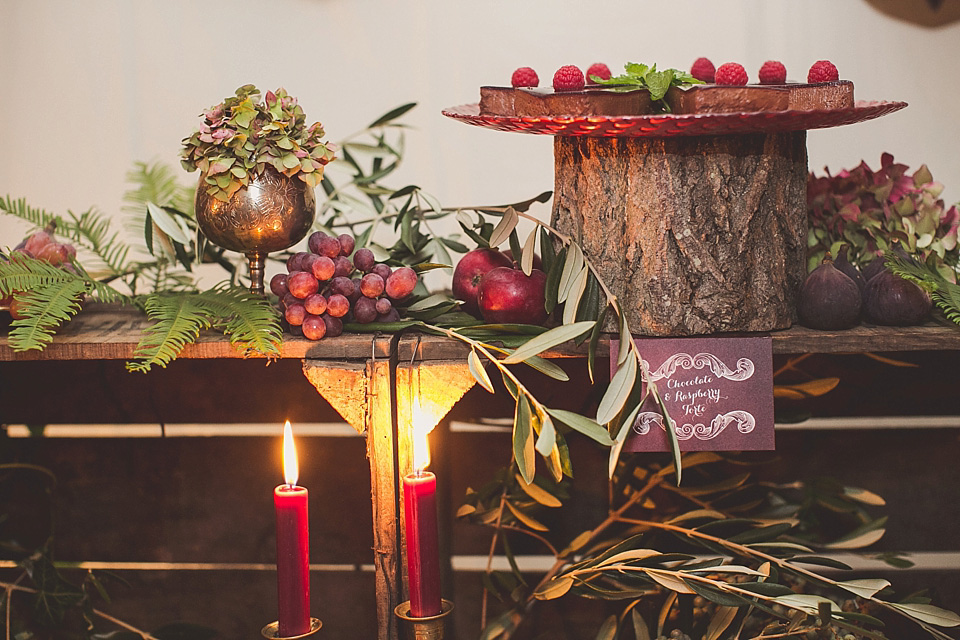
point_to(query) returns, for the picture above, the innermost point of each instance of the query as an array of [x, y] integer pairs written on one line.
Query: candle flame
[[291, 470], [422, 425]]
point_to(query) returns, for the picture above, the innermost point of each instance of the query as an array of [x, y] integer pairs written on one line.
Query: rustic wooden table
[[359, 375]]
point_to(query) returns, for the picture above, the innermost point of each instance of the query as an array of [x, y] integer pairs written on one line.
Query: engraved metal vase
[[273, 212]]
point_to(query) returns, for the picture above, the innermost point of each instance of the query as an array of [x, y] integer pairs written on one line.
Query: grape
[[289, 299], [306, 263], [322, 268], [334, 325], [356, 291], [295, 262], [342, 285], [315, 304], [301, 284], [401, 282], [384, 305], [278, 284], [371, 285], [344, 266], [347, 243], [365, 310], [338, 305], [382, 270], [313, 242], [390, 316], [314, 328], [295, 314], [296, 329], [363, 260], [329, 247]]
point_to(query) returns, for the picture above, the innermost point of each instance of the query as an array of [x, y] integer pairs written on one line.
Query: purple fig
[[890, 300], [830, 299], [874, 267], [847, 267]]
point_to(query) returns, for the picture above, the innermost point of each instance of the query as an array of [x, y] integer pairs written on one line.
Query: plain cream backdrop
[[90, 87]]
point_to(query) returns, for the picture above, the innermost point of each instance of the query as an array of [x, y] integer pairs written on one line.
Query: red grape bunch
[[323, 287]]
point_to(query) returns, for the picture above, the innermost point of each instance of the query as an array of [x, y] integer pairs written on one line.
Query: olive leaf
[[526, 257], [586, 426], [539, 494], [571, 268], [479, 372], [526, 518], [505, 227], [928, 613], [547, 439], [608, 630], [555, 588], [621, 384], [553, 337], [577, 288], [523, 447]]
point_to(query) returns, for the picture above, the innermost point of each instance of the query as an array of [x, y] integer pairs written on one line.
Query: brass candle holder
[[272, 631], [271, 213], [428, 628]]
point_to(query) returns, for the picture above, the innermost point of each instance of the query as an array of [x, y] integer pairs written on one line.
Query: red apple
[[471, 268], [507, 295]]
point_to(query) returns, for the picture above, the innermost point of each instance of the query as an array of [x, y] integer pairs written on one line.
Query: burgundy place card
[[718, 392]]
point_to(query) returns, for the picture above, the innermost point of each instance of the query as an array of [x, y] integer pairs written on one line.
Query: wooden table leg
[[360, 392]]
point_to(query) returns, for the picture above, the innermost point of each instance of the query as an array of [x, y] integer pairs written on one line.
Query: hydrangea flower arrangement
[[870, 210], [246, 133]]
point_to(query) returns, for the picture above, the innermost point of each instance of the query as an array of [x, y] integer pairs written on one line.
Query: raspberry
[[703, 70], [823, 71], [568, 78], [731, 73], [524, 77], [598, 69], [773, 72]]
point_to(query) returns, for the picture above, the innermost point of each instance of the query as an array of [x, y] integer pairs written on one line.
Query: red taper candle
[[420, 515], [423, 551], [293, 546]]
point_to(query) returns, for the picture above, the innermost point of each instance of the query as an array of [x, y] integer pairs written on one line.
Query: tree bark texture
[[695, 235]]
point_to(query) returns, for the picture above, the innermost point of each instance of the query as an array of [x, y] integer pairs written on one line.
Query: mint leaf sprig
[[647, 77]]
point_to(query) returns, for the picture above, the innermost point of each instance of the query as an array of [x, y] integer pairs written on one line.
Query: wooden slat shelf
[[106, 333]]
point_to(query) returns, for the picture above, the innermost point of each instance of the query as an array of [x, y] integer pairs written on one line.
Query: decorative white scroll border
[[744, 419], [744, 370]]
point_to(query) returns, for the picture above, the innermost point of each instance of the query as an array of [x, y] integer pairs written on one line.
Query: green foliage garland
[[726, 556]]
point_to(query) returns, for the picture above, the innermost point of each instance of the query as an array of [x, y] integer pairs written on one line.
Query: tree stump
[[695, 235]]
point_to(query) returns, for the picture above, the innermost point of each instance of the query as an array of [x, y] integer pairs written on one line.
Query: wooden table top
[[110, 333]]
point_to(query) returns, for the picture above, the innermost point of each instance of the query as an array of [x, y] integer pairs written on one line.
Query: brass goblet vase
[[273, 212]]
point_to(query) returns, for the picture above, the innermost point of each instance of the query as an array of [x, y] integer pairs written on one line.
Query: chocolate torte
[[714, 98], [696, 99], [544, 101]]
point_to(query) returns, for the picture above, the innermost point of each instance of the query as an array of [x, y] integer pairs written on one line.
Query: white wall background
[[90, 87]]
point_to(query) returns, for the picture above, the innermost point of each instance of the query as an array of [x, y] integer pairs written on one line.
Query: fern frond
[[44, 309], [156, 183], [945, 294], [947, 299], [916, 272], [179, 318], [248, 320], [23, 273], [20, 209], [91, 230]]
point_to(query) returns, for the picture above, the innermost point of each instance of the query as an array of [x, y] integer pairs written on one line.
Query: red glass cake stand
[[663, 125], [697, 222]]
